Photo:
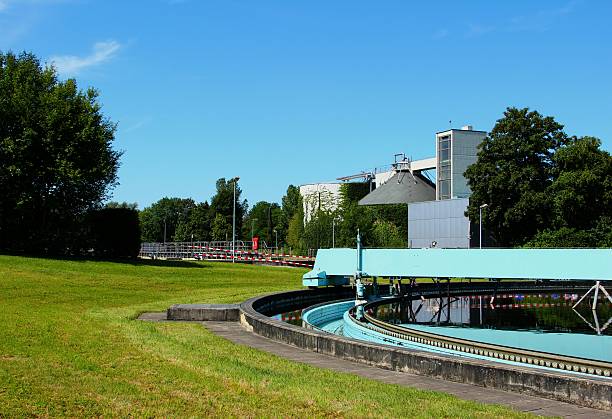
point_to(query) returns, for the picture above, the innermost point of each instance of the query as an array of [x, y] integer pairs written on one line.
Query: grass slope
[[69, 347]]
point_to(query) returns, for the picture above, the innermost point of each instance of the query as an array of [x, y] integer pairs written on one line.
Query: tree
[[318, 230], [56, 157], [222, 203], [543, 188], [114, 232], [386, 234], [128, 205], [512, 174], [196, 224], [581, 190], [295, 233], [291, 204], [164, 215], [221, 229], [263, 219]]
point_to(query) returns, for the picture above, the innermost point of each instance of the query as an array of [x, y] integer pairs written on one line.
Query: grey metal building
[[456, 149], [439, 224]]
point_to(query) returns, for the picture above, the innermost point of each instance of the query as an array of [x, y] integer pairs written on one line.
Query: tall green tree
[[222, 203], [543, 188], [56, 156], [512, 174], [291, 204]]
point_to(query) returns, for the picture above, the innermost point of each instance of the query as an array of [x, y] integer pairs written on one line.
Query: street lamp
[[276, 235], [253, 227], [480, 223], [334, 232], [236, 179]]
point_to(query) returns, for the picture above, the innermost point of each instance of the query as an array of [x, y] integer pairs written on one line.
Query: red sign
[[255, 243]]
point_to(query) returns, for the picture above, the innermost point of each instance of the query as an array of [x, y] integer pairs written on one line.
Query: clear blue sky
[[281, 92]]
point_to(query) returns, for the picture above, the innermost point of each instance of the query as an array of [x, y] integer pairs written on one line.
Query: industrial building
[[434, 189]]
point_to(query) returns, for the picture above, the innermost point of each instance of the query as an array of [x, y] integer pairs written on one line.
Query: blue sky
[[287, 92]]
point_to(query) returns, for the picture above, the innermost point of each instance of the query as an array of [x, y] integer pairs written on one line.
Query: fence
[[221, 251]]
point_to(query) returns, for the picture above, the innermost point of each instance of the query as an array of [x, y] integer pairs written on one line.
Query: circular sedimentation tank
[[527, 324]]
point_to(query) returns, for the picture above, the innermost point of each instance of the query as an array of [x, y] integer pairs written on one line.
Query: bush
[[114, 233]]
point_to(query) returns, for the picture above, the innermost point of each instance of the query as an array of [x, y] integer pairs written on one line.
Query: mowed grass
[[69, 346]]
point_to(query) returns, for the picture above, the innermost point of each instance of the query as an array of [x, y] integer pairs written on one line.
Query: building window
[[444, 186], [444, 167]]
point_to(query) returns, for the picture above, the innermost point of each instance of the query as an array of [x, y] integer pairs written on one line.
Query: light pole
[[236, 179], [276, 236], [480, 224], [164, 230], [334, 232], [253, 227]]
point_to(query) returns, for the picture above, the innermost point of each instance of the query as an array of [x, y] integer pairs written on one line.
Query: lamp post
[[276, 236], [334, 233], [480, 224], [253, 227], [236, 179]]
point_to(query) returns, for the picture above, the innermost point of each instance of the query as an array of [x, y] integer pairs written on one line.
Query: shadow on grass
[[163, 262], [133, 262]]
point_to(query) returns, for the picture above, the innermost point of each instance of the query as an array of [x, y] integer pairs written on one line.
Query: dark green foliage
[[512, 174], [543, 188], [354, 191], [262, 220], [115, 204], [166, 214], [318, 231], [195, 225], [291, 205], [114, 232], [223, 203], [221, 229], [291, 202], [56, 159], [185, 220], [564, 237], [581, 192]]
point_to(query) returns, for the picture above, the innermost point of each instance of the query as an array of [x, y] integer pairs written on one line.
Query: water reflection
[[292, 317], [544, 312]]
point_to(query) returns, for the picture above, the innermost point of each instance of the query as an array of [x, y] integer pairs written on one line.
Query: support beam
[[595, 288]]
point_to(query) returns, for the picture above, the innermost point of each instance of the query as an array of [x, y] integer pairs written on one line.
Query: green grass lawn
[[69, 346]]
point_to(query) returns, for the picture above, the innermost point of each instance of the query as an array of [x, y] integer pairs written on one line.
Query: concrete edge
[[204, 312], [557, 386]]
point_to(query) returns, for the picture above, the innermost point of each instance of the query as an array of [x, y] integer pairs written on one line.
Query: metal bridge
[[346, 266]]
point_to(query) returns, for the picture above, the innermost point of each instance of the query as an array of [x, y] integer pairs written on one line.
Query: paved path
[[236, 333]]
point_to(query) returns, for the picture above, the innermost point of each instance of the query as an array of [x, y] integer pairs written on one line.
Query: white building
[[324, 196]]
